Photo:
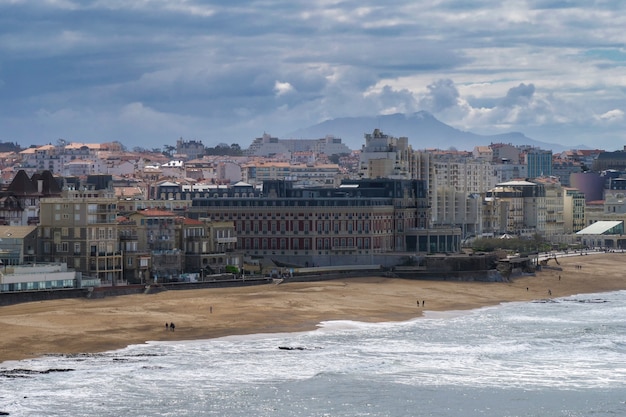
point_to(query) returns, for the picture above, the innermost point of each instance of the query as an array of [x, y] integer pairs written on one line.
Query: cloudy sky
[[146, 72]]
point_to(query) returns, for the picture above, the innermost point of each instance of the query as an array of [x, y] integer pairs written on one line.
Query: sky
[[147, 72]]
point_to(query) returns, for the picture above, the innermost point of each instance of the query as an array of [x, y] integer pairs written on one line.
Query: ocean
[[565, 357]]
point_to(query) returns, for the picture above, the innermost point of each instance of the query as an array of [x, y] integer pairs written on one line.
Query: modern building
[[37, 277], [17, 245], [591, 184], [539, 163], [603, 234]]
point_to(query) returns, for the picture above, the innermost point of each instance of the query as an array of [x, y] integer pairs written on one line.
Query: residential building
[[210, 246], [555, 201], [504, 153], [23, 196], [515, 207], [268, 146], [573, 210], [136, 260], [315, 174], [80, 229]]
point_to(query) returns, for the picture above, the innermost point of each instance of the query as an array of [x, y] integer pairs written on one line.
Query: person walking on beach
[[172, 326], [166, 325]]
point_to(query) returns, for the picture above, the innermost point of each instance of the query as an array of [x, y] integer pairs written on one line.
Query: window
[[76, 248]]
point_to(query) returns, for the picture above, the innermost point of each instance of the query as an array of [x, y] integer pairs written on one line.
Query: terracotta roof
[[156, 213]]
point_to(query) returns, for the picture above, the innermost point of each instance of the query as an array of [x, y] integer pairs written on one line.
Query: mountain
[[422, 129]]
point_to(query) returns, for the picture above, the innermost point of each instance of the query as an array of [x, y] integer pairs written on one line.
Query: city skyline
[[147, 73]]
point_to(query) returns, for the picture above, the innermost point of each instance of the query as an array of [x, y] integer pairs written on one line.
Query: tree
[[235, 149], [168, 150]]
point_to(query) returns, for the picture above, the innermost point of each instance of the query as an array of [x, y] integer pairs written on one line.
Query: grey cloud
[[212, 66], [442, 94], [519, 95]]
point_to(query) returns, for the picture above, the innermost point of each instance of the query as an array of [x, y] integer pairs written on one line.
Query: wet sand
[[86, 326]]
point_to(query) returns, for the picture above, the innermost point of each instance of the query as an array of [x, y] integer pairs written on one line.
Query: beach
[[75, 326]]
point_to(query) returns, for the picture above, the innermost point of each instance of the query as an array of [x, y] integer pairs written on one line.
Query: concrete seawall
[[17, 297]]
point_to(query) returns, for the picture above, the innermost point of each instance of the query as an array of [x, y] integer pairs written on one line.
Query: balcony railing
[[226, 240]]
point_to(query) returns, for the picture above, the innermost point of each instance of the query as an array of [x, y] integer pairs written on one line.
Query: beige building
[[573, 210], [312, 174], [515, 207], [210, 246], [80, 229], [555, 200]]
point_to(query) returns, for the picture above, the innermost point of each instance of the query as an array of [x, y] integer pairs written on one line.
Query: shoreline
[[75, 326]]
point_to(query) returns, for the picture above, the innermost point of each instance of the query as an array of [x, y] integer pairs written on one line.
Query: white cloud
[[282, 88], [612, 115]]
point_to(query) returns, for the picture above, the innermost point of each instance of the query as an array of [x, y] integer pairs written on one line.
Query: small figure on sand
[[211, 309], [172, 326], [423, 303], [167, 325], [549, 292]]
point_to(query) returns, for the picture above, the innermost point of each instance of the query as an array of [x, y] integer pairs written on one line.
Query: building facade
[[80, 229], [354, 223]]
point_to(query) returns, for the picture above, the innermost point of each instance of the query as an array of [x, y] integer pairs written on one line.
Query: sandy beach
[[87, 326]]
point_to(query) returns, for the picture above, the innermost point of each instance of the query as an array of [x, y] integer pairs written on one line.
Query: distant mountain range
[[422, 128]]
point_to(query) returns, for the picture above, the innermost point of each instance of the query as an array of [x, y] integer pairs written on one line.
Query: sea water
[[565, 357]]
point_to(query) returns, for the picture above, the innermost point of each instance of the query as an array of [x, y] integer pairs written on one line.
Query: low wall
[[480, 276], [17, 297]]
